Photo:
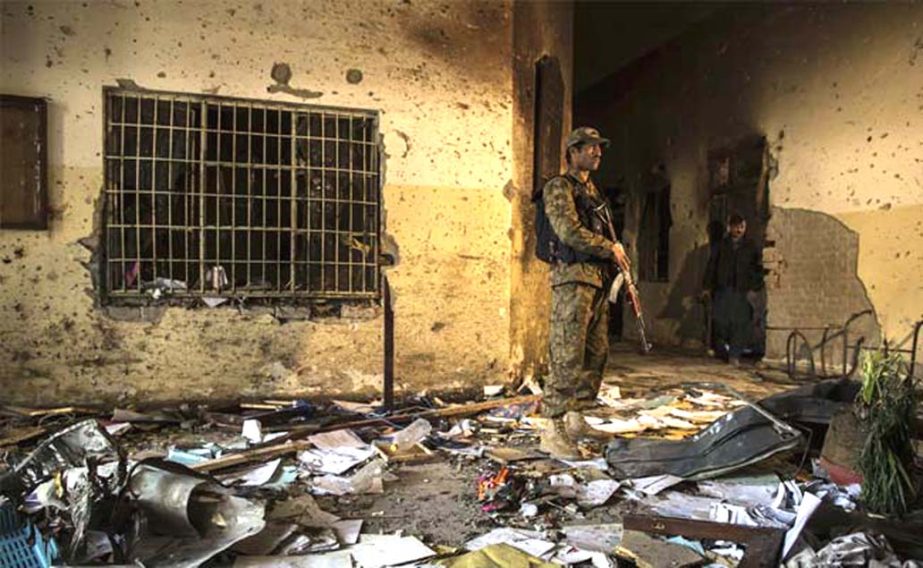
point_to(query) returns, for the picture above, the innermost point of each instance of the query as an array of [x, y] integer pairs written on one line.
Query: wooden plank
[[291, 446], [763, 544], [256, 454], [447, 412], [21, 435], [42, 412]]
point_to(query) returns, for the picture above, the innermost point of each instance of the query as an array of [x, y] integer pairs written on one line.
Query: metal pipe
[[388, 396], [790, 353], [913, 346], [823, 351]]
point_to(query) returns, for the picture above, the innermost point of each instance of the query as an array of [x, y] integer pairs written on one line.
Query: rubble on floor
[[692, 476]]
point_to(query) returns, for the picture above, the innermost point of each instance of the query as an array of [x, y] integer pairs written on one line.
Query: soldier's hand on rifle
[[621, 258]]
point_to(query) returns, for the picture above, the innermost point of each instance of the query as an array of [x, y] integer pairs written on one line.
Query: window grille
[[220, 197]]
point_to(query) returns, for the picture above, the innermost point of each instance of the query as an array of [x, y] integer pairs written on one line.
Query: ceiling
[[610, 35]]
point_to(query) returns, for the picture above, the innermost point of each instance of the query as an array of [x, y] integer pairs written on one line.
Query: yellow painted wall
[[439, 73], [838, 92], [891, 261], [540, 29]]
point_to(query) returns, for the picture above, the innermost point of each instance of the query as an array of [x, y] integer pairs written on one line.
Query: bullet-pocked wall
[[440, 75], [543, 32], [837, 90]]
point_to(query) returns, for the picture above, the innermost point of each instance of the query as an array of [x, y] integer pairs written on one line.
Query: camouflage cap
[[586, 135]]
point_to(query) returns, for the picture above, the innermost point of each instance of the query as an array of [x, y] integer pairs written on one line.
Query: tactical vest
[[594, 214]]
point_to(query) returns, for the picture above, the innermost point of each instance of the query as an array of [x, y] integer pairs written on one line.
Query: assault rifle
[[631, 291]]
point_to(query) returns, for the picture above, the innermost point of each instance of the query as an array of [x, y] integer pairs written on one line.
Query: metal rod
[[388, 395]]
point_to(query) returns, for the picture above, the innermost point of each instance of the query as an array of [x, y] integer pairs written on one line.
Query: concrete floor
[[437, 500], [639, 375]]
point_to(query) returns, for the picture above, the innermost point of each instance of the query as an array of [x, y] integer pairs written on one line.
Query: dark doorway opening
[[739, 183]]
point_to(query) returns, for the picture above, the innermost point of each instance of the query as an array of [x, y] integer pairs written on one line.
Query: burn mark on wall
[[462, 34], [403, 136]]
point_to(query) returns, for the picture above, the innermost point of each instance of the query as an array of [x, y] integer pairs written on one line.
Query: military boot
[[576, 427], [556, 443]]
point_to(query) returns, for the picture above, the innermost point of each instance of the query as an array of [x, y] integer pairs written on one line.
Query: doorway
[[739, 183]]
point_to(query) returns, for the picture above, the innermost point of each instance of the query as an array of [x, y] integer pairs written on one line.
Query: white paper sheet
[[654, 484], [530, 542], [596, 493], [254, 476], [809, 504], [377, 550]]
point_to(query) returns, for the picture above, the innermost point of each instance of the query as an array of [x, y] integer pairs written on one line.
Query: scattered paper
[[655, 484], [809, 504], [596, 493], [749, 490], [615, 426], [571, 555], [213, 302], [676, 504], [254, 476], [335, 559], [731, 514], [609, 395], [337, 439], [303, 510], [493, 390], [700, 416], [377, 550], [347, 530], [598, 463], [412, 435], [335, 452], [366, 480], [252, 430], [597, 538], [118, 428], [530, 542]]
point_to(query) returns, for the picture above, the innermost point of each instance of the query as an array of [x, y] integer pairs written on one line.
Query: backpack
[[545, 239], [548, 248]]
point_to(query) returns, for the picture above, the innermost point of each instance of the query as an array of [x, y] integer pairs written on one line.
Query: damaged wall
[[439, 73], [540, 29], [838, 92]]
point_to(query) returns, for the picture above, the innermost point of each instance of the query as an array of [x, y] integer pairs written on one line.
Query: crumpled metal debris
[[735, 440], [856, 549], [75, 446], [187, 517], [83, 465]]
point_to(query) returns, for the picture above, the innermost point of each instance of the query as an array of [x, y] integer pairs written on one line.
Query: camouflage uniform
[[579, 337]]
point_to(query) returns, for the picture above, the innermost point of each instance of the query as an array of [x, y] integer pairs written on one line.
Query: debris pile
[[690, 476]]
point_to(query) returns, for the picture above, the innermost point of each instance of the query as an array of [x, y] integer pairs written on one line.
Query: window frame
[[283, 295], [40, 209]]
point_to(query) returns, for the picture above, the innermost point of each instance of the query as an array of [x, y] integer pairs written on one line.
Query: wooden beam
[[290, 445], [762, 544]]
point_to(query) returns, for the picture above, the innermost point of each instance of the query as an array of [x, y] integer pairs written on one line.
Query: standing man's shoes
[[576, 427], [556, 442]]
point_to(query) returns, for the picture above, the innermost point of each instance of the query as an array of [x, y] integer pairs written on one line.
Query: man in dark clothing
[[733, 278]]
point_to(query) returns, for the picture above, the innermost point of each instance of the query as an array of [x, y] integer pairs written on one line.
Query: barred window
[[218, 197]]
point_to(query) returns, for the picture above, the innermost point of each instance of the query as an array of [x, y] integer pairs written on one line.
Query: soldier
[[584, 254]]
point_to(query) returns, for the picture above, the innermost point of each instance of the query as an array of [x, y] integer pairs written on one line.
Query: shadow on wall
[[812, 282], [683, 304]]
